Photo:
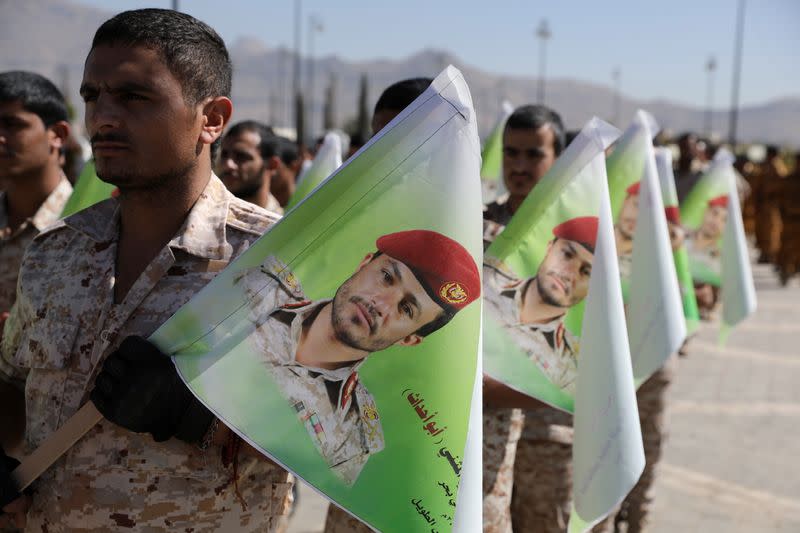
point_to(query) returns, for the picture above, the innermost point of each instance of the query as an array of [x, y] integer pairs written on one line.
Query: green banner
[[344, 342], [327, 160], [89, 190]]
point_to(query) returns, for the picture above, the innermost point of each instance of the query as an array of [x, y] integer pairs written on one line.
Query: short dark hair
[[36, 93], [399, 95], [288, 150], [193, 52], [268, 144], [442, 318], [533, 117]]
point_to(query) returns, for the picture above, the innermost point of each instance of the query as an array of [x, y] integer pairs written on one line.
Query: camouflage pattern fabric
[[65, 323], [14, 243], [501, 431], [651, 397]]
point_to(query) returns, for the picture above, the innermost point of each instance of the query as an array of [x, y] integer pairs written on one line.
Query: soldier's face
[[142, 130], [240, 165], [527, 156], [563, 276], [676, 235], [26, 144], [382, 304], [714, 221], [627, 216]]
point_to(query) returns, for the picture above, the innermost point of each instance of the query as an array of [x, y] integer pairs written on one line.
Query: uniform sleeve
[[349, 470], [12, 335]]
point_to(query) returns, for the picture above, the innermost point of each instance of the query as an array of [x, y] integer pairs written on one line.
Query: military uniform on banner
[[335, 407], [66, 322], [14, 243]]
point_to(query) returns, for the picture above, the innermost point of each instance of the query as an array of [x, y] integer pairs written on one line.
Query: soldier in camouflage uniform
[[789, 254], [119, 269], [33, 191], [767, 199]]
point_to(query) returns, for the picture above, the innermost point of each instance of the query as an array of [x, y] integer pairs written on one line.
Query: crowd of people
[[78, 296]]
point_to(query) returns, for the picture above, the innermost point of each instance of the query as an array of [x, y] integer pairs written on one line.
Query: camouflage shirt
[[550, 345], [14, 243], [64, 324], [335, 407]]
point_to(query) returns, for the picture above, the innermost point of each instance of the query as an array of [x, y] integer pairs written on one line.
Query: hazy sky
[[661, 48]]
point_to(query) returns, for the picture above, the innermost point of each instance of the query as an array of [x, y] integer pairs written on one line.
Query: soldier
[[394, 99], [625, 228], [789, 255], [688, 167], [532, 310], [156, 85], [33, 130], [409, 288], [248, 162], [767, 198], [533, 138]]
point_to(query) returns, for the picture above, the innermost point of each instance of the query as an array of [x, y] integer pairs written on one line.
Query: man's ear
[[216, 114], [273, 163], [59, 134], [410, 340], [364, 262]]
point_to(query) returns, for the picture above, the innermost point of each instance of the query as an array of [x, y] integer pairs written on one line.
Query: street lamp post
[[314, 26], [543, 33], [711, 66], [296, 89], [737, 73]]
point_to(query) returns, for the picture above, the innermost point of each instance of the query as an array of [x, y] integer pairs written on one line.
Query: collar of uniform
[[301, 313], [51, 208], [519, 292], [47, 213], [203, 231]]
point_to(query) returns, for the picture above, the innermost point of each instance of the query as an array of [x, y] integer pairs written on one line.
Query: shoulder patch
[[280, 271], [370, 419], [249, 218]]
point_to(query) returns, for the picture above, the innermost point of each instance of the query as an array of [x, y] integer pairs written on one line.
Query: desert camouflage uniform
[[13, 244], [336, 409], [768, 215], [273, 205], [651, 398], [64, 324], [789, 255]]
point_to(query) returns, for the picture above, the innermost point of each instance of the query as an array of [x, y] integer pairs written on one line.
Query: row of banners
[[346, 343]]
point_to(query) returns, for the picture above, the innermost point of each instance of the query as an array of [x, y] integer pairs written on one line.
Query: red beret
[[673, 214], [633, 190], [444, 268], [719, 201], [582, 230]]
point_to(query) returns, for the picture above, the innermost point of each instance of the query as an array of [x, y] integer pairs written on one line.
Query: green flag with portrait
[[554, 323], [344, 343]]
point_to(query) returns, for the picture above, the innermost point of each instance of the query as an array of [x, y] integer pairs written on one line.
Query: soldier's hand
[[140, 390]]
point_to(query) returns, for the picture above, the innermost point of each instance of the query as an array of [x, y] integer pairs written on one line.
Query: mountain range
[[53, 37]]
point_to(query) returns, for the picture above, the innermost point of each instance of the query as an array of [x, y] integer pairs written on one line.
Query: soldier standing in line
[[412, 286], [156, 85], [248, 162], [789, 255], [767, 198], [532, 140], [688, 167]]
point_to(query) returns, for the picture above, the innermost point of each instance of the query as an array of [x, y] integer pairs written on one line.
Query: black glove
[[140, 390], [8, 487]]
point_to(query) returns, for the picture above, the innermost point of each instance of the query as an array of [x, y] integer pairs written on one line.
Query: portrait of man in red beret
[[410, 286], [702, 245], [532, 310], [625, 227]]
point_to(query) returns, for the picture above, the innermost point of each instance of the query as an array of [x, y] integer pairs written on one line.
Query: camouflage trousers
[[768, 232], [789, 255], [651, 397], [543, 478]]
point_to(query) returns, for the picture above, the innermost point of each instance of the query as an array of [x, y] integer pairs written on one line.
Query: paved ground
[[732, 461]]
